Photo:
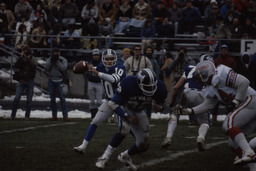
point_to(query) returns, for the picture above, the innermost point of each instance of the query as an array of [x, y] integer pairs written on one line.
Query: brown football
[[80, 67]]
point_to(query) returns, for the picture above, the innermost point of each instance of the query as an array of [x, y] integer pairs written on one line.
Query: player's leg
[[202, 131], [124, 129], [233, 124], [141, 133], [172, 124], [103, 113]]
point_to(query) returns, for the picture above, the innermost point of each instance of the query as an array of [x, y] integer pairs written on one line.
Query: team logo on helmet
[[147, 81]]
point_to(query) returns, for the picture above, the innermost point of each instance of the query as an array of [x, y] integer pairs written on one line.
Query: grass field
[[40, 144]]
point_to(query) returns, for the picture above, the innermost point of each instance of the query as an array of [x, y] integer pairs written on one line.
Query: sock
[[172, 124], [252, 143], [90, 132], [242, 143], [202, 131], [109, 150], [117, 140], [85, 143]]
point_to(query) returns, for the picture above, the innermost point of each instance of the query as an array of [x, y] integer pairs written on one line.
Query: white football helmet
[[109, 58], [206, 57], [147, 81], [205, 69]]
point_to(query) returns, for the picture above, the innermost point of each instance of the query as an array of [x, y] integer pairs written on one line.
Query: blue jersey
[[193, 81], [118, 72], [130, 95]]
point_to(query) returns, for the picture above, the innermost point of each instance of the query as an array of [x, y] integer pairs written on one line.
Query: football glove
[[179, 110], [233, 105], [131, 118]]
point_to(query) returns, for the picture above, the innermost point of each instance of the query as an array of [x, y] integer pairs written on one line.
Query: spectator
[[136, 62], [168, 4], [165, 30], [69, 12], [251, 10], [246, 68], [191, 17], [229, 20], [148, 52], [248, 29], [6, 16], [106, 31], [21, 37], [126, 53], [124, 16], [224, 9], [56, 65], [55, 40], [236, 29], [71, 40], [211, 12], [22, 8], [36, 13], [167, 79], [25, 72], [148, 32], [175, 16], [241, 7], [91, 29], [107, 11], [38, 41], [26, 23], [90, 13], [42, 21], [159, 13], [94, 84], [55, 13], [34, 3], [5, 34]]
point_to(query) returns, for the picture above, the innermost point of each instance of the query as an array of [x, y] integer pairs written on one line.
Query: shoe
[[101, 162], [249, 158], [166, 143], [54, 119], [79, 149], [200, 144], [125, 158], [66, 119]]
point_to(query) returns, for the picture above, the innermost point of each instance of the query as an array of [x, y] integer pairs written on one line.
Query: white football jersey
[[224, 86]]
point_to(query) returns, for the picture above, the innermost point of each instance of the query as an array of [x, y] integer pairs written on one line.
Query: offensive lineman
[[232, 89], [192, 96], [134, 94]]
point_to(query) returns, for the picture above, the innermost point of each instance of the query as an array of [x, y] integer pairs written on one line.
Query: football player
[[232, 89], [191, 96], [111, 74], [131, 99]]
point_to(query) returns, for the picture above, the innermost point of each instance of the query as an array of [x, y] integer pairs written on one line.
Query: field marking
[[31, 128], [172, 156]]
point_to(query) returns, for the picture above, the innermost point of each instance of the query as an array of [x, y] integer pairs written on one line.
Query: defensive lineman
[[232, 89]]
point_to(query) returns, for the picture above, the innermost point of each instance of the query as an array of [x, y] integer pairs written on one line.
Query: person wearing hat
[[56, 66], [126, 53], [94, 84]]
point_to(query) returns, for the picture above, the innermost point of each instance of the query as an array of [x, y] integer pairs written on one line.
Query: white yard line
[[172, 156], [31, 128]]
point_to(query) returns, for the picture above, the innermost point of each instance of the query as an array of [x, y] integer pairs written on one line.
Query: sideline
[[31, 128], [172, 156]]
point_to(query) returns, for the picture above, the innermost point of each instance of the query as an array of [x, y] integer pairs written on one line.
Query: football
[[80, 67]]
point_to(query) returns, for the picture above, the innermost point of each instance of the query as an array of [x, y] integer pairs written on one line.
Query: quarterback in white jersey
[[233, 90]]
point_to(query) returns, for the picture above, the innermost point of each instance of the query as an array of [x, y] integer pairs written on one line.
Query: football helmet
[[109, 58], [147, 81], [206, 57], [205, 69]]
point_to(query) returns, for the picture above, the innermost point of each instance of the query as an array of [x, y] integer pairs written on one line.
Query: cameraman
[[25, 71], [56, 66]]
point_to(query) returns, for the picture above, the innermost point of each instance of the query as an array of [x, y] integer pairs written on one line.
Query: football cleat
[[126, 159], [249, 158], [101, 162], [166, 143], [200, 144], [79, 149]]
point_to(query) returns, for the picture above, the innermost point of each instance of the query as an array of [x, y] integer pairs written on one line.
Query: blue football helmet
[[147, 81], [109, 58]]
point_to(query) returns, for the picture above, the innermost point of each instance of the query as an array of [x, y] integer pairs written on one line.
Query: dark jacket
[[26, 68]]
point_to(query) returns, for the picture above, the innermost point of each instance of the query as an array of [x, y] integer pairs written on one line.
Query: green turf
[[51, 148]]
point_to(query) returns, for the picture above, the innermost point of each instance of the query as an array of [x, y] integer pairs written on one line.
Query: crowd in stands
[[231, 19]]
